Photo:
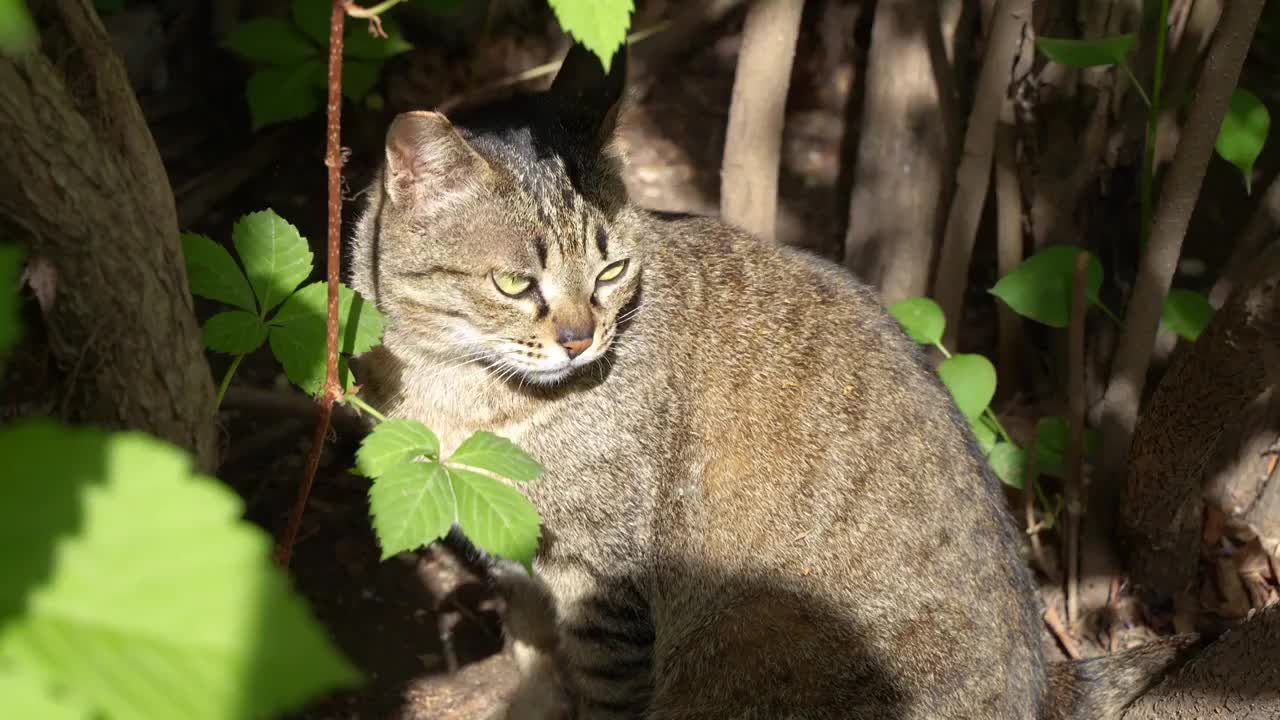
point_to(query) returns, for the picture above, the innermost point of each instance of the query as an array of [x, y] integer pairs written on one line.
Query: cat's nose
[[575, 341]]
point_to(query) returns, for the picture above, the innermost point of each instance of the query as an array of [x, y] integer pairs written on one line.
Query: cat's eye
[[511, 284], [613, 271]]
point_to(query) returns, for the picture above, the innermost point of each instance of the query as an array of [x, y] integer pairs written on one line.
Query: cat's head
[[500, 235]]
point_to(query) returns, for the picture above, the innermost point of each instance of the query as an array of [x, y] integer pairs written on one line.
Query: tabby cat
[[759, 500]]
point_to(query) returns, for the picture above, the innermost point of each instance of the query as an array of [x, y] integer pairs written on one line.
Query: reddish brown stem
[[332, 390]]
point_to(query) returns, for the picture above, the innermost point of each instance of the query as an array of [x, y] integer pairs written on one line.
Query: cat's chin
[[549, 377]]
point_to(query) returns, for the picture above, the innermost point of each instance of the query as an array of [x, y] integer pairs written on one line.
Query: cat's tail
[[1100, 688]]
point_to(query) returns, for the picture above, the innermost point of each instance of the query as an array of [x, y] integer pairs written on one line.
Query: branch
[[753, 141], [1160, 259], [332, 389], [974, 174]]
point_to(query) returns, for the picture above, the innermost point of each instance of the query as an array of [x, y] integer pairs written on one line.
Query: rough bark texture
[[753, 141], [1236, 677], [904, 158], [82, 185], [1202, 435]]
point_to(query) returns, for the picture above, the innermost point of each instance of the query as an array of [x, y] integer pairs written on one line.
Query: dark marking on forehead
[[540, 249], [602, 242]]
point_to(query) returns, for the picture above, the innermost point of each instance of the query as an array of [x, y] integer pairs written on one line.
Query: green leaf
[[1009, 462], [276, 257], [270, 41], [10, 322], [281, 94], [496, 516], [395, 442], [600, 25], [1243, 133], [412, 505], [24, 694], [1053, 436], [971, 380], [1087, 53], [312, 18], [140, 589], [1187, 313], [17, 31], [358, 44], [983, 433], [298, 332], [359, 77], [1041, 287], [921, 318], [213, 273], [498, 455], [235, 332]]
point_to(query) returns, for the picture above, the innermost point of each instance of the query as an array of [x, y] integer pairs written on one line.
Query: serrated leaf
[[1187, 313], [144, 569], [1087, 53], [921, 318], [213, 273], [281, 94], [234, 332], [1009, 462], [412, 505], [498, 455], [270, 41], [1053, 436], [983, 433], [25, 694], [971, 380], [395, 442], [1041, 287], [600, 25], [359, 77], [312, 18], [298, 332], [1243, 133], [276, 257], [496, 516], [10, 325]]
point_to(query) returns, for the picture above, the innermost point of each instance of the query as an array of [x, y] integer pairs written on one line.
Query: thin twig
[[1075, 451], [1029, 480], [1054, 623], [332, 390], [1177, 200]]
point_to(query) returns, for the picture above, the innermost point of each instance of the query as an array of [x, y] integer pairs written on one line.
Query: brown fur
[[759, 501]]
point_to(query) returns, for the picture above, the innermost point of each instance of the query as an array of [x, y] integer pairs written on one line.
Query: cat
[[759, 501]]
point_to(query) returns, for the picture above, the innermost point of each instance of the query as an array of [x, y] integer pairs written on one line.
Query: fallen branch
[[332, 391], [1160, 258], [753, 141]]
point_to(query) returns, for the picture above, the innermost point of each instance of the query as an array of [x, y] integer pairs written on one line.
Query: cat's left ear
[[587, 97]]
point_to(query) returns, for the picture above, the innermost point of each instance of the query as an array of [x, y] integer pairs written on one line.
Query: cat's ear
[[587, 98], [427, 160]]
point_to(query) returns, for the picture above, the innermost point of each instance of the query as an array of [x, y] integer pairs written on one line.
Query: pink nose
[[576, 347]]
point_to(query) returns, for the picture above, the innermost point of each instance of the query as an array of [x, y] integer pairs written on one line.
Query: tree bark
[[83, 186], [753, 141], [1202, 436], [1236, 677], [905, 157], [973, 177]]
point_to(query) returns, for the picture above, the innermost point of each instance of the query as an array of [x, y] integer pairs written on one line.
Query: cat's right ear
[[427, 160]]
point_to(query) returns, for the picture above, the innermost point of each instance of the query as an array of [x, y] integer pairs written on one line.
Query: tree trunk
[[905, 158], [1236, 677], [82, 185], [1202, 437]]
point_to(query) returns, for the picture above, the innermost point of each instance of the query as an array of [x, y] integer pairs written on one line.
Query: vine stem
[[226, 380], [332, 390], [364, 407]]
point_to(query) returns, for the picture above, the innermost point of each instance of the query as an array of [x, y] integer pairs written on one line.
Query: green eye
[[511, 284], [612, 272]]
